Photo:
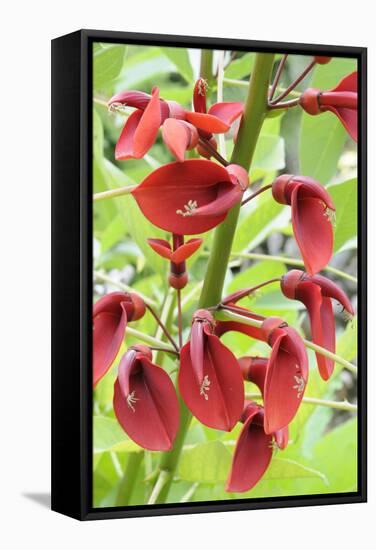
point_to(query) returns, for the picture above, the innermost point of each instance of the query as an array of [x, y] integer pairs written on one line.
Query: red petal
[[179, 136], [349, 119], [252, 456], [218, 401], [108, 333], [125, 145], [161, 247], [227, 326], [313, 231], [284, 384], [186, 250], [227, 111], [331, 290], [321, 317], [311, 189], [196, 349], [206, 122], [151, 416], [348, 84], [254, 370], [131, 98], [148, 127], [228, 196], [282, 437], [172, 186]]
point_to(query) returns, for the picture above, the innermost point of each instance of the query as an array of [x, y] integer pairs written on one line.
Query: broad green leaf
[[205, 463], [322, 136], [270, 153], [143, 67], [180, 58], [241, 67], [263, 217], [107, 64], [284, 468], [255, 275], [137, 225], [336, 455], [109, 436], [345, 198]]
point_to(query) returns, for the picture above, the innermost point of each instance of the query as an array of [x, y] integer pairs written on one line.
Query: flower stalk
[[254, 114], [232, 316]]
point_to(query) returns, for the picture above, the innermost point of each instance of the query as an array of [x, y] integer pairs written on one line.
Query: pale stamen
[[299, 386], [189, 208], [205, 387], [131, 400]]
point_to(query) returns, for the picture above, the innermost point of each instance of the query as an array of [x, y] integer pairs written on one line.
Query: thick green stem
[[128, 481], [206, 66], [254, 114]]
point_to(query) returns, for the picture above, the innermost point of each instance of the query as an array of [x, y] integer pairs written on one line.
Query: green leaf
[[345, 198], [107, 64], [264, 216], [322, 136], [270, 153], [347, 343], [241, 67], [284, 468], [253, 275], [336, 453], [205, 463], [180, 58], [109, 436]]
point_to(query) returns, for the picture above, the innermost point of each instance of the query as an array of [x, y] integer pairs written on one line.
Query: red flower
[[322, 59], [210, 379], [219, 117], [179, 127], [145, 401], [110, 316], [311, 212], [253, 451], [342, 101], [316, 293], [178, 277], [190, 197]]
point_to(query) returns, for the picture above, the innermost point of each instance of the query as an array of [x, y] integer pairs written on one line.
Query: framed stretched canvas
[[209, 274]]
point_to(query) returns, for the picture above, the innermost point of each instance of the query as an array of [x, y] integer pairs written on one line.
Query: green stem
[[244, 84], [289, 261], [127, 483], [167, 317], [154, 342], [119, 192], [254, 113], [122, 286], [232, 316], [206, 66], [339, 405], [163, 478]]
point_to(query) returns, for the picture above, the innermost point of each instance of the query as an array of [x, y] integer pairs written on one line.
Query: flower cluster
[[190, 197]]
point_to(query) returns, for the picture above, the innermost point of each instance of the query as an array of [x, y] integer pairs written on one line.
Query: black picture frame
[[72, 275]]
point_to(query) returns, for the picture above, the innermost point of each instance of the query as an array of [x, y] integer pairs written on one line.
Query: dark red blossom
[[322, 59], [341, 100], [177, 254], [253, 450], [145, 401], [210, 379], [311, 211], [190, 197], [180, 128], [316, 293], [110, 316]]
